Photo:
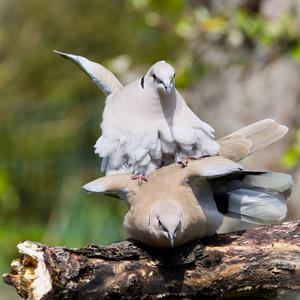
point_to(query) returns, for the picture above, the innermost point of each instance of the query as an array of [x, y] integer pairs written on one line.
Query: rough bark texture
[[239, 264]]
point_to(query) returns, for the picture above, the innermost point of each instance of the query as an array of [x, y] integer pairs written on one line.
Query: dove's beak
[[172, 238], [169, 88]]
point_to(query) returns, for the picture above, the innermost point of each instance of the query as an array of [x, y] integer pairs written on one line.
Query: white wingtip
[[284, 129], [101, 76], [63, 54], [94, 187], [58, 52]]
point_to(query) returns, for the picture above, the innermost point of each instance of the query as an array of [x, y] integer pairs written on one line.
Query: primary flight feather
[[146, 124]]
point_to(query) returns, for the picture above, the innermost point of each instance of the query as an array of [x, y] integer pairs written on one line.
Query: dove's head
[[166, 222], [161, 76]]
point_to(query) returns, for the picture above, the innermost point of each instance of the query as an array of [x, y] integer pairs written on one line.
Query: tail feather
[[249, 139], [255, 197]]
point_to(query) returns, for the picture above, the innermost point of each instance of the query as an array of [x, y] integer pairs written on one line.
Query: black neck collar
[[142, 82]]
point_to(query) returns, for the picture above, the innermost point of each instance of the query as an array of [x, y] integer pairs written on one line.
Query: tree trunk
[[239, 264]]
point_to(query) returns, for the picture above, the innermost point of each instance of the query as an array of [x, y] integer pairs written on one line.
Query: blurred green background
[[50, 111]]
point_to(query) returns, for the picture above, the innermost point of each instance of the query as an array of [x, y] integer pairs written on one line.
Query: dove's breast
[[134, 133], [141, 132]]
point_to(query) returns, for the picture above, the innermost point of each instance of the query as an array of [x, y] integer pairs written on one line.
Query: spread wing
[[102, 77], [256, 197], [251, 138]]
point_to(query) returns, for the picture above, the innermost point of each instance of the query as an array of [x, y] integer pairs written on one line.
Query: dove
[[145, 124], [179, 204]]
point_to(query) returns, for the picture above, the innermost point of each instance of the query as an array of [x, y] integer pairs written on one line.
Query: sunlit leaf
[[294, 51], [214, 25], [291, 158]]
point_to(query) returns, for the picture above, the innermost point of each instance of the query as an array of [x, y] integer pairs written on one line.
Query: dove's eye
[[157, 80], [161, 225]]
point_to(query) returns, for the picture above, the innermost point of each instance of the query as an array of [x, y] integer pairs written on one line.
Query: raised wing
[[251, 138], [102, 77]]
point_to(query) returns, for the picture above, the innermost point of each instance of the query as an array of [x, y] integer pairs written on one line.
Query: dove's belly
[[142, 147], [146, 152]]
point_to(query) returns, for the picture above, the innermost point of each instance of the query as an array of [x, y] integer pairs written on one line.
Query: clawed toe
[[140, 178], [184, 162]]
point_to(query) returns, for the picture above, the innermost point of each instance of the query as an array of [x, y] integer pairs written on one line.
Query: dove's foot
[[140, 178], [185, 161]]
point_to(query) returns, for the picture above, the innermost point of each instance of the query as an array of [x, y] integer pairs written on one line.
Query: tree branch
[[239, 264]]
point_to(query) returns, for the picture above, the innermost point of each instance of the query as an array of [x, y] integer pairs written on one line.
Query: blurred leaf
[[215, 24], [292, 157], [119, 64], [184, 28], [9, 200], [139, 4], [251, 25], [295, 51]]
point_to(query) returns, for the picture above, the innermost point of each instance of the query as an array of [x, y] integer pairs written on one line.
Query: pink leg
[[140, 178]]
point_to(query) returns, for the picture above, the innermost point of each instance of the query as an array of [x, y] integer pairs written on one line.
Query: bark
[[258, 261]]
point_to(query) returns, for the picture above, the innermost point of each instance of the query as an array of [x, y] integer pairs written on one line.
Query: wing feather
[[101, 76], [251, 138]]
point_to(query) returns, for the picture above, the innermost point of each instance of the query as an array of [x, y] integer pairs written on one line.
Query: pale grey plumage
[[147, 122], [102, 77], [148, 119], [256, 197]]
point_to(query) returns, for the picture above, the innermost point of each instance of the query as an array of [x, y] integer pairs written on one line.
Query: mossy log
[[257, 261]]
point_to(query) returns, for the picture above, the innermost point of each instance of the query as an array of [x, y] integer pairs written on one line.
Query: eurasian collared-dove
[[146, 123], [181, 204], [178, 205]]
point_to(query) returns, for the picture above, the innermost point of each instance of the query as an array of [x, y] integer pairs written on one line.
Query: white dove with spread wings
[[146, 123]]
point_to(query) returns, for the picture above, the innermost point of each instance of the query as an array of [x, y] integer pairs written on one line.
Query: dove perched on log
[[178, 204], [146, 123]]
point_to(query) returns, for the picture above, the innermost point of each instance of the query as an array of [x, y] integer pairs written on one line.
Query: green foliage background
[[50, 111]]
